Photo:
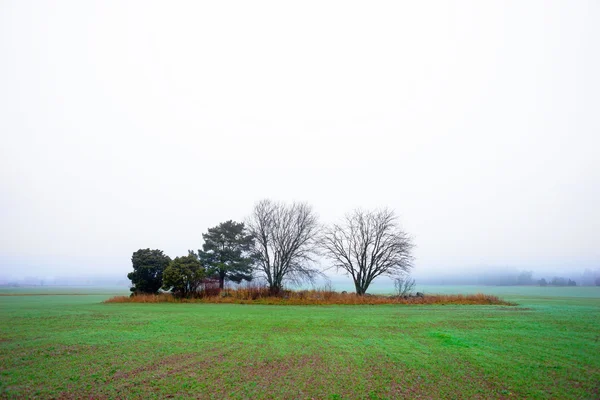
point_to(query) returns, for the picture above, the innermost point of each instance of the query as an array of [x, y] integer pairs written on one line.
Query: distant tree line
[[280, 243], [557, 281], [590, 277], [507, 277]]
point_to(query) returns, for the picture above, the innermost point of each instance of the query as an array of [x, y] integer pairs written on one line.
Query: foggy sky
[[128, 125]]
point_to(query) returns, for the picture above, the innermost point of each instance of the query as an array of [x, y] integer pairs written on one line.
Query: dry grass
[[260, 295]]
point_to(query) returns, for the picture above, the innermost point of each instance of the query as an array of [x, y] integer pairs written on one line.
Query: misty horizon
[[489, 276], [119, 136]]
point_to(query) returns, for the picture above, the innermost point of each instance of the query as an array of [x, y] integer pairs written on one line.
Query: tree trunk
[[359, 289], [221, 279], [274, 289]]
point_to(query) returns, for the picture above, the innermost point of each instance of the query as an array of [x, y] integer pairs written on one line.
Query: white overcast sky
[[134, 124]]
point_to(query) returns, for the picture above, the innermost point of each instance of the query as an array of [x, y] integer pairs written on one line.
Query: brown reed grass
[[260, 295]]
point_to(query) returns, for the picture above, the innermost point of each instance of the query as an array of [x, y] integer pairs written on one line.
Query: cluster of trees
[[557, 281], [506, 276], [280, 243], [482, 275], [224, 257], [590, 278]]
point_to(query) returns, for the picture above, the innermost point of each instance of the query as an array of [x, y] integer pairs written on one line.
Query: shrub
[[259, 294], [404, 285]]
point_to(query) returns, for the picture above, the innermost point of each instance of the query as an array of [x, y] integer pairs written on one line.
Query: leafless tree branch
[[367, 244], [285, 242]]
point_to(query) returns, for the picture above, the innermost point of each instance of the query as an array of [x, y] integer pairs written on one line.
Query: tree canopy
[[184, 276], [148, 268], [280, 242], [225, 252]]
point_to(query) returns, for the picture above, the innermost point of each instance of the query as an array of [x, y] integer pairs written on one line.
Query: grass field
[[74, 346]]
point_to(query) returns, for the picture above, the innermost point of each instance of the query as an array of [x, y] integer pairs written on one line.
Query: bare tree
[[285, 242], [404, 285], [367, 244]]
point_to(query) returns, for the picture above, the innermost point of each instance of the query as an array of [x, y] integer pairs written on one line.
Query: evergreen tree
[[184, 276], [148, 267], [225, 252]]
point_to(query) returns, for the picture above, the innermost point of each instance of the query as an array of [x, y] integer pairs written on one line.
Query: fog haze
[[141, 124]]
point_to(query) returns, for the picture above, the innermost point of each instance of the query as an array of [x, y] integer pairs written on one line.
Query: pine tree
[[225, 252]]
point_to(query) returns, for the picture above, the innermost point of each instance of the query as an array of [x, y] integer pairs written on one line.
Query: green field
[[74, 346]]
